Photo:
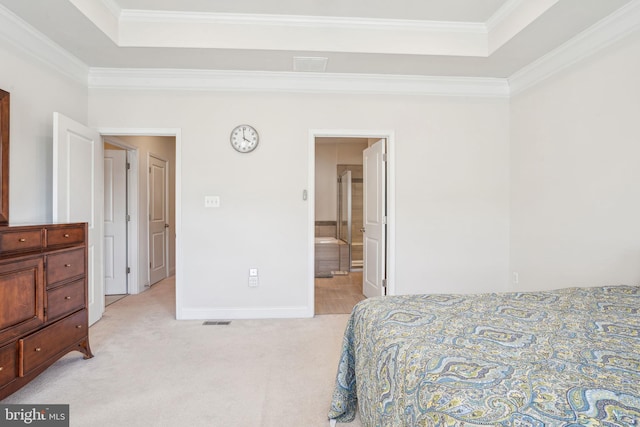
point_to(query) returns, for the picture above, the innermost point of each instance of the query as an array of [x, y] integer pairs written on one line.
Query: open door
[[115, 222], [158, 219], [374, 237], [78, 195]]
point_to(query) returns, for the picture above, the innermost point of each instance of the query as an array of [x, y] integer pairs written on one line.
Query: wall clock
[[244, 138]]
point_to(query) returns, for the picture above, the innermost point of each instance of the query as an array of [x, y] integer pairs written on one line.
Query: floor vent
[[217, 322]]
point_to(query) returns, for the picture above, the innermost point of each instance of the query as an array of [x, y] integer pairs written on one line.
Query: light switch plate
[[211, 201]]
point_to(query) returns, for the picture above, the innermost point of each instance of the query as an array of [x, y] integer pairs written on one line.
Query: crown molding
[[159, 16], [174, 29], [28, 40], [113, 7], [104, 14], [502, 14], [615, 27], [169, 79]]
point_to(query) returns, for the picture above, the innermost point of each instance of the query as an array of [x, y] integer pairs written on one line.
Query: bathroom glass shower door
[[344, 213]]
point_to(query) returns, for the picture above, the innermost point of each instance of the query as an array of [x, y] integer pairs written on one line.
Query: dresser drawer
[[20, 241], [38, 348], [21, 297], [7, 364], [64, 265], [65, 299], [63, 236]]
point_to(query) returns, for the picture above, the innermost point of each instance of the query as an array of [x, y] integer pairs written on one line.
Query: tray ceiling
[[468, 38]]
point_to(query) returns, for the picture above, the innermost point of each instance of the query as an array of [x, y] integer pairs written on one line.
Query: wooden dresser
[[43, 299]]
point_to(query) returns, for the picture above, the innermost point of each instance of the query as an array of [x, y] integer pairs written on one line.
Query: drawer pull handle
[[78, 326], [66, 235], [67, 265], [22, 239], [38, 349], [1, 368], [67, 297]]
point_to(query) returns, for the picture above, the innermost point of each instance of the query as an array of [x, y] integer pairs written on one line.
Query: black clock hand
[[244, 137]]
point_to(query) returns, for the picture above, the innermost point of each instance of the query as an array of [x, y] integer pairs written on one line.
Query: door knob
[[166, 226], [362, 230]]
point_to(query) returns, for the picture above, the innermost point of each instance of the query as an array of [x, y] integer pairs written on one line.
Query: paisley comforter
[[562, 358]]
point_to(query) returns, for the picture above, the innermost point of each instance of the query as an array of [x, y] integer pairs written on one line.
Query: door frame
[[166, 215], [177, 133], [133, 283], [389, 135]]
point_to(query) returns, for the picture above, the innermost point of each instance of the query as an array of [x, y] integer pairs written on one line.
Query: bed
[[569, 357]]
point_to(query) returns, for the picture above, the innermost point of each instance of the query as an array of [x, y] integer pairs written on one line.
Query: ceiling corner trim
[[502, 13], [113, 7], [240, 81], [615, 27], [512, 18], [105, 15], [24, 38]]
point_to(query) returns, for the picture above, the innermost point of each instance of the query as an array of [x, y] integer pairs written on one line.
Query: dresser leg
[[85, 349]]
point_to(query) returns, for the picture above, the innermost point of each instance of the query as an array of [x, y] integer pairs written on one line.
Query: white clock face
[[244, 138]]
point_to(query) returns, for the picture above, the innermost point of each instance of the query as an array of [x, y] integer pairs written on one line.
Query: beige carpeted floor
[[152, 370]]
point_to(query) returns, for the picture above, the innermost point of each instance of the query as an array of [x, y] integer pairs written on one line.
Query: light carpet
[[152, 370]]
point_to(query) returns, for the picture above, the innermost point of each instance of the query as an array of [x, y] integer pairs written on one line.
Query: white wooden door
[[115, 222], [158, 219], [374, 237], [77, 195]]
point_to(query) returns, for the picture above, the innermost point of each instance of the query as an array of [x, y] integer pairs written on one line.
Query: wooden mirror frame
[[4, 157]]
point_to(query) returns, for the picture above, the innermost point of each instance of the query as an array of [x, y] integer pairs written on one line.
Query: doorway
[[335, 153], [81, 200], [150, 196]]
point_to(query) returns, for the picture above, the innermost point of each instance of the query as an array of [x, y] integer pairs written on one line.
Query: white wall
[[452, 196], [36, 92], [575, 180], [452, 189]]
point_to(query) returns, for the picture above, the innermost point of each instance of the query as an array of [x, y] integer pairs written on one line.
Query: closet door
[[158, 219], [115, 222]]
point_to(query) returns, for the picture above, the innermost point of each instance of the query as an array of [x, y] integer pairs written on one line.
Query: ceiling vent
[[316, 64]]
